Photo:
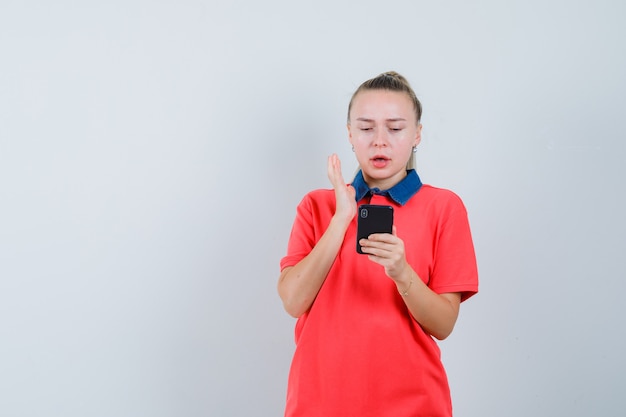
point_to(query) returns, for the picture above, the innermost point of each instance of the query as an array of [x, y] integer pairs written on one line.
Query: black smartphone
[[372, 218]]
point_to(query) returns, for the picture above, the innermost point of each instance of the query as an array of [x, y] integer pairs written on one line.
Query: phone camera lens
[[363, 213]]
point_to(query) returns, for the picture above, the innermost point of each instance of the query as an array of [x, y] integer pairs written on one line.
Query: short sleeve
[[312, 216], [454, 267]]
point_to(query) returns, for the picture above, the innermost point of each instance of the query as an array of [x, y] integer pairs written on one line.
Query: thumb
[[351, 191]]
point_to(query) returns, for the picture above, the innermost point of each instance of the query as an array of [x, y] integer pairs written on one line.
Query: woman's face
[[383, 131]]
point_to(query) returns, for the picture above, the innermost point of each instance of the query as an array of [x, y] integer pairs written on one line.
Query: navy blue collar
[[400, 193]]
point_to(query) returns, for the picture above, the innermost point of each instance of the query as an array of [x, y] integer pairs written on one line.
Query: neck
[[384, 183]]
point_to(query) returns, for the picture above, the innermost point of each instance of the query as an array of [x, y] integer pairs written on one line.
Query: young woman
[[367, 322]]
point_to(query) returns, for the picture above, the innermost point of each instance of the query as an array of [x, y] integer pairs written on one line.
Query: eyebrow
[[365, 119]]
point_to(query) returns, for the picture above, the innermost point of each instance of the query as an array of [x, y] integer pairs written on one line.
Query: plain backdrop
[[152, 154]]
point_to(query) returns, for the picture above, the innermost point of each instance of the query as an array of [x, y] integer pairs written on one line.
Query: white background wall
[[152, 154]]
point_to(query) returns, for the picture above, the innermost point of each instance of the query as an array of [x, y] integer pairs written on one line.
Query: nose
[[381, 140]]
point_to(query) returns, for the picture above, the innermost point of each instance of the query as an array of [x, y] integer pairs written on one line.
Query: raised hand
[[345, 209], [298, 285]]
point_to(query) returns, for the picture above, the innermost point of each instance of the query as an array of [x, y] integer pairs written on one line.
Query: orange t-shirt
[[359, 352]]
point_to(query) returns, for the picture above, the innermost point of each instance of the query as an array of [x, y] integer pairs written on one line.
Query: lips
[[379, 161]]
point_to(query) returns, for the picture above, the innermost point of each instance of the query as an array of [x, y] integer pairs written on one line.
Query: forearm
[[298, 285], [436, 313]]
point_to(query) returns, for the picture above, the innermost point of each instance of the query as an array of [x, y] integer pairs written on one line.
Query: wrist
[[405, 292], [405, 284], [341, 222]]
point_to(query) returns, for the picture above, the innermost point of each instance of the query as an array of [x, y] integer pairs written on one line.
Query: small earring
[[414, 148], [353, 149]]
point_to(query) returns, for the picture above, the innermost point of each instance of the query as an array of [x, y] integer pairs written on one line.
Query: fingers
[[383, 245], [378, 245], [387, 251], [390, 238], [336, 177], [334, 171], [344, 194]]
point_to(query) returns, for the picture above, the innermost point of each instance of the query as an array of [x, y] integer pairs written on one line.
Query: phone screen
[[373, 219]]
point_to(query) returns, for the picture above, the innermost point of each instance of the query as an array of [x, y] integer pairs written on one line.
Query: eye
[[365, 129]]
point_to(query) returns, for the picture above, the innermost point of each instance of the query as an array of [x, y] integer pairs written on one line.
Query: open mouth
[[380, 161]]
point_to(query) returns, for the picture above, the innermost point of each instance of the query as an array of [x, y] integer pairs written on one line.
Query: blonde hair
[[391, 81]]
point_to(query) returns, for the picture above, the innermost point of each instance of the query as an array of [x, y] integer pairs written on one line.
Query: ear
[[418, 135], [350, 134]]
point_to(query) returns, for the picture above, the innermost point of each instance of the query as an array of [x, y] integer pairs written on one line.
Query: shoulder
[[320, 196], [318, 200], [316, 208], [439, 196]]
